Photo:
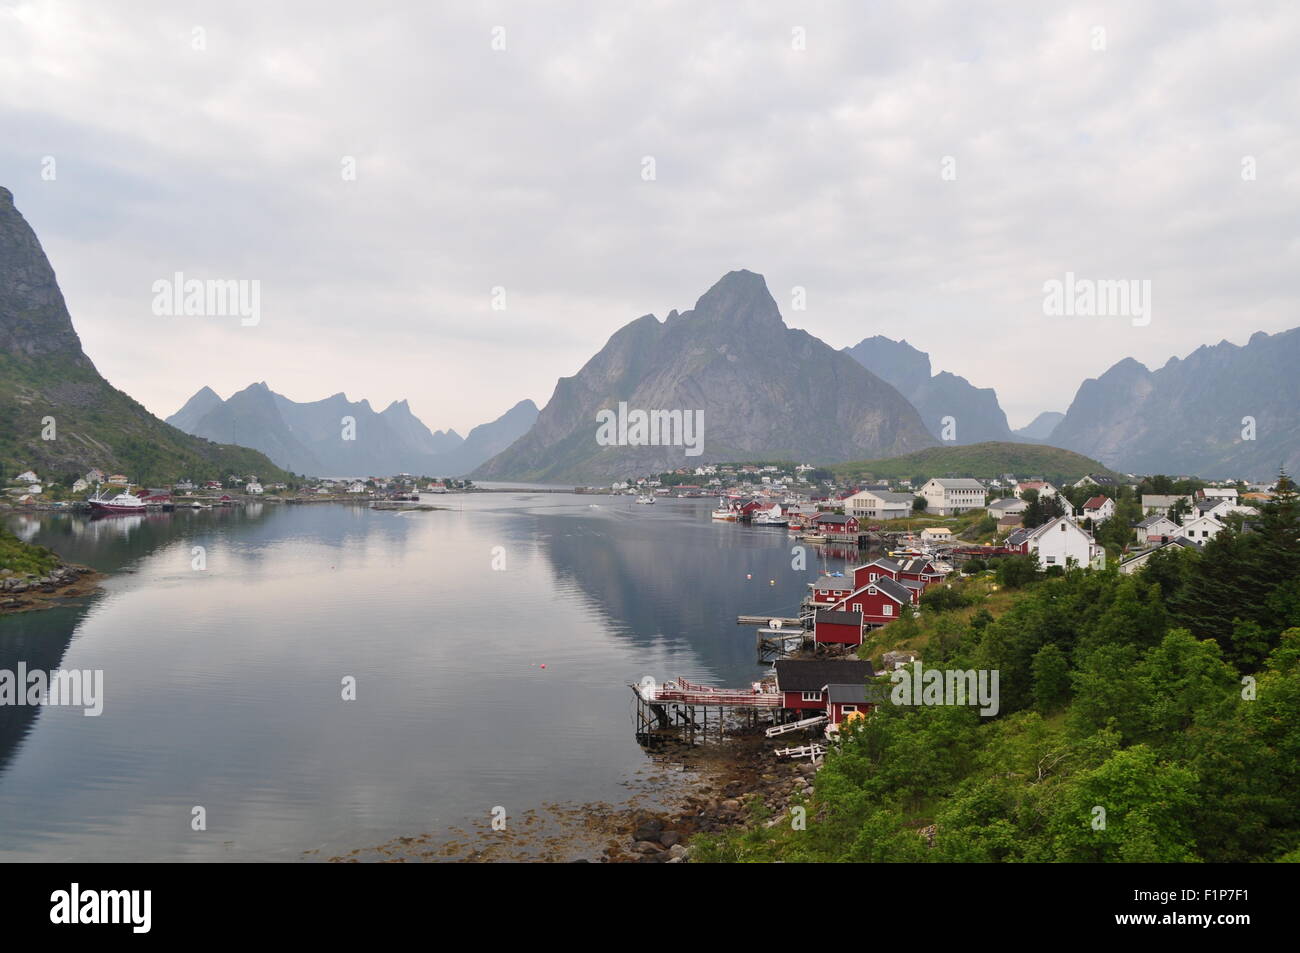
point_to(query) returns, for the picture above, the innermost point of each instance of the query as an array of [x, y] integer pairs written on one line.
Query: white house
[[1133, 563], [879, 505], [1098, 480], [1158, 504], [357, 487], [27, 476], [1220, 493], [1044, 489], [80, 485], [1058, 542], [936, 534], [254, 488], [1099, 509], [1008, 507], [950, 497], [1200, 529], [1156, 528]]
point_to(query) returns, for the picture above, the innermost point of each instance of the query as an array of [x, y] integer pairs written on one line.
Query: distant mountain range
[[58, 416], [339, 437], [1223, 411], [1039, 430], [974, 412], [765, 391]]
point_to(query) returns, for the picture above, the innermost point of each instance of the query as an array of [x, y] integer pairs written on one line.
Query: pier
[[686, 707]]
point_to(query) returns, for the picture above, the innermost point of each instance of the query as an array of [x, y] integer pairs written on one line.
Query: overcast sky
[[211, 139]]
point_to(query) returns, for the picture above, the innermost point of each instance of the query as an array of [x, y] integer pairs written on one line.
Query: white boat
[[645, 499], [122, 503]]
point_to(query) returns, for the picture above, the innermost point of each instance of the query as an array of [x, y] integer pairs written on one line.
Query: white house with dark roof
[[1156, 528], [1200, 529], [1133, 563], [948, 497], [1058, 542], [1160, 504]]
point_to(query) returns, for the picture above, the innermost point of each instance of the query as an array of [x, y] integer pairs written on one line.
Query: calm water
[[223, 687]]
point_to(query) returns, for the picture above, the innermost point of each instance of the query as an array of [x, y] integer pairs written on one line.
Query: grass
[[975, 460], [23, 558]]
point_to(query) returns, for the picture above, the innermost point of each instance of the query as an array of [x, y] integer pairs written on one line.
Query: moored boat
[[122, 503]]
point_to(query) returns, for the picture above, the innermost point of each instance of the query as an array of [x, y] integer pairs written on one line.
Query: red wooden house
[[881, 601], [836, 523], [804, 683], [828, 590], [837, 628]]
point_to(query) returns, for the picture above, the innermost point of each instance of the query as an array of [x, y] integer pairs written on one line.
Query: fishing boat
[[122, 503], [814, 537], [724, 513]]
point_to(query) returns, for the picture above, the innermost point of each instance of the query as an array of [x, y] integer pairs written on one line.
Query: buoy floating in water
[[771, 582], [749, 575]]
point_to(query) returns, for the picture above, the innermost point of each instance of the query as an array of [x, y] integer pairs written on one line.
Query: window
[[812, 696], [887, 610], [857, 607], [845, 709]]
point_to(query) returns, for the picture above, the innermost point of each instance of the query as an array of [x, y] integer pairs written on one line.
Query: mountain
[[487, 440], [1040, 429], [1192, 415], [415, 434], [976, 460], [46, 378], [339, 437], [976, 414], [762, 390]]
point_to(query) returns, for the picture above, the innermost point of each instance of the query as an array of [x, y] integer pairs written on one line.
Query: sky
[[453, 203]]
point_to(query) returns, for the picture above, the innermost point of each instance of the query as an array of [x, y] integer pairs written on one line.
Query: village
[[28, 491], [902, 540]]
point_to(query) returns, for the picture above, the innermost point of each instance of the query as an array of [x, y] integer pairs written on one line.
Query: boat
[[122, 503], [814, 537], [724, 512], [645, 499]]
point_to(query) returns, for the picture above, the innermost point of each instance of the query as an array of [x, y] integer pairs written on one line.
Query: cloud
[[521, 168]]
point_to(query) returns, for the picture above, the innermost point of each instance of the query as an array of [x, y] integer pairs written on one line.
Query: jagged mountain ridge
[[339, 437], [1191, 415], [45, 376], [766, 391], [976, 414]]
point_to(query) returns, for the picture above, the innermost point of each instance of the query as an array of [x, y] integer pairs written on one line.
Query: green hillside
[[976, 460], [58, 416]]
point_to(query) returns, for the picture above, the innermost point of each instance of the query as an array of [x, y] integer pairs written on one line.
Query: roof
[[1018, 537], [847, 694], [916, 564], [962, 484], [1157, 499], [1007, 503], [1096, 503], [883, 563], [832, 518], [1100, 479], [839, 618], [895, 590], [843, 583], [812, 675], [1152, 520], [886, 496]]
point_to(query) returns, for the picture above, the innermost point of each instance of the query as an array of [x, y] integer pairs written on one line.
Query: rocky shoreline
[[740, 775], [24, 593]]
